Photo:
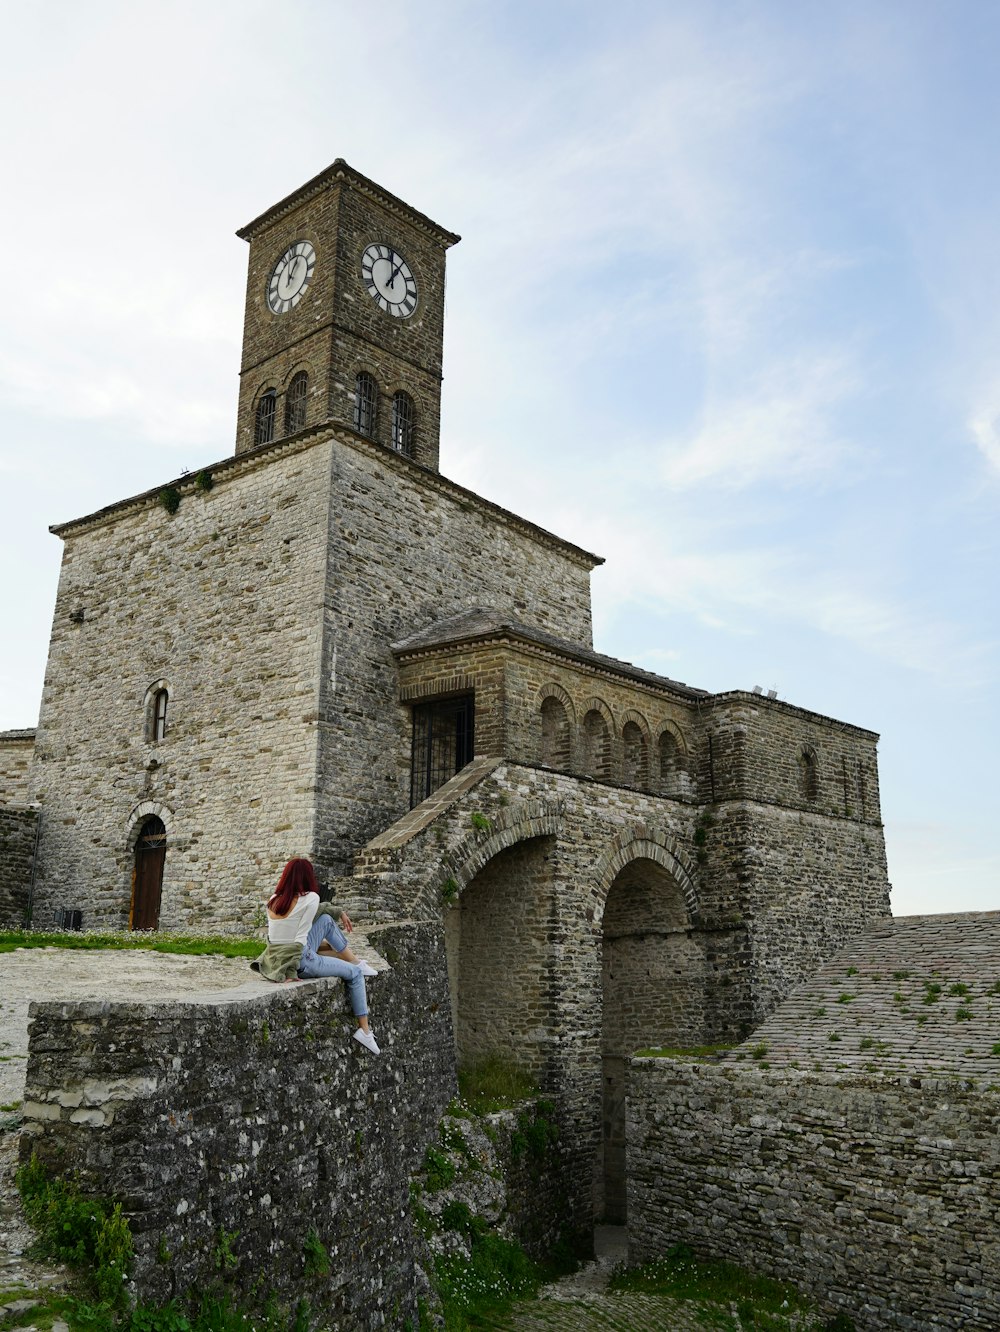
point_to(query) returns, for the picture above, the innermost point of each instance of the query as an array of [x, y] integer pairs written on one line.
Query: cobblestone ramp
[[605, 1313], [915, 996]]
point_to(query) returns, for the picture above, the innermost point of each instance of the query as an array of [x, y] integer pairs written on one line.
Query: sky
[[726, 311]]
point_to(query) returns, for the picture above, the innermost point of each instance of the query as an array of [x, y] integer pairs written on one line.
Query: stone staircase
[[914, 996]]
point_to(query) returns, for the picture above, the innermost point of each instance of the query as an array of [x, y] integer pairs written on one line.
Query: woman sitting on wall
[[304, 942]]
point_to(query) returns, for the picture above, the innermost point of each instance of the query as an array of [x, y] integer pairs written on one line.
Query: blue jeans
[[312, 965]]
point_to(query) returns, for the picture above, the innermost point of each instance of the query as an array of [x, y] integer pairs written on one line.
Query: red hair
[[297, 878]]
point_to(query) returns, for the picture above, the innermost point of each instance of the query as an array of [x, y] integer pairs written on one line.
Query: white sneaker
[[367, 1040], [366, 968]]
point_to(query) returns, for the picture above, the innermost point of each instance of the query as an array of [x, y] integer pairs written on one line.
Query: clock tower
[[344, 317]]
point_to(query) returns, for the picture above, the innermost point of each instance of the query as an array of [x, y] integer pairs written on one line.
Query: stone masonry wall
[[245, 1123], [406, 550], [17, 845], [16, 749], [878, 1196], [221, 605]]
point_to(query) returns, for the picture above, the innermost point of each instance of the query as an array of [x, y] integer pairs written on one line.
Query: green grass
[[715, 1287], [496, 1083], [209, 945]]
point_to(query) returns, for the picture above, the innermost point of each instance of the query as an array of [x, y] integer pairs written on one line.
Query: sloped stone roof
[[482, 622], [914, 995], [27, 733]]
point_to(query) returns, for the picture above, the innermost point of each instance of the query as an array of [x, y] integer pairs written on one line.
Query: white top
[[294, 927]]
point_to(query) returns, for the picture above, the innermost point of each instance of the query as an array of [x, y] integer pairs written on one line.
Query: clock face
[[290, 277], [389, 281]]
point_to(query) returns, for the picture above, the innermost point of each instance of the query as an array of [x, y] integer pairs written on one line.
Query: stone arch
[[555, 724], [808, 774], [139, 815], [673, 761], [596, 739], [150, 702], [655, 975], [497, 937], [636, 746], [147, 838], [644, 843]]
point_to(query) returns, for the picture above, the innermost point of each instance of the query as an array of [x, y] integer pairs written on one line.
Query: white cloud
[[985, 428]]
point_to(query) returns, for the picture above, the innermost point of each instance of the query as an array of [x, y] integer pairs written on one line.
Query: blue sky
[[726, 311]]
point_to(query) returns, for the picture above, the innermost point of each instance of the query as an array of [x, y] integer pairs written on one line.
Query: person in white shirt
[[298, 926]]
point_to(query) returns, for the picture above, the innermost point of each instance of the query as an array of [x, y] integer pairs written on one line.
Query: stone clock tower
[[344, 317]]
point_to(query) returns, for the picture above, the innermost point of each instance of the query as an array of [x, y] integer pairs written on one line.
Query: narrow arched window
[[809, 774], [636, 763], [555, 734], [402, 423], [365, 399], [266, 410], [596, 745], [158, 719], [296, 400]]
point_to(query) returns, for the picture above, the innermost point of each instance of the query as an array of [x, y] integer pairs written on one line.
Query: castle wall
[[16, 749], [18, 829], [877, 1196], [243, 1124], [219, 603], [407, 550]]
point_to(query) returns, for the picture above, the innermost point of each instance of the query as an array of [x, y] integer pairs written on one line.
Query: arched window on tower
[[296, 400], [402, 423], [365, 399], [809, 773], [266, 411]]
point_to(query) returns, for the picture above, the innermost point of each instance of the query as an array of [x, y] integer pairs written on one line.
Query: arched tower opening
[[653, 981], [147, 879], [498, 943]]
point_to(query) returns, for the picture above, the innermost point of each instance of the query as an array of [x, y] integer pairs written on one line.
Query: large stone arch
[[645, 843], [653, 982], [138, 816], [497, 937]]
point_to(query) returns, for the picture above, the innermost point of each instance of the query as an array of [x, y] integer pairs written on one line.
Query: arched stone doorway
[[498, 943], [653, 981], [147, 878]]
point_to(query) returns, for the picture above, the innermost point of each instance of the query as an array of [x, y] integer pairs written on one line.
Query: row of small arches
[[661, 765]]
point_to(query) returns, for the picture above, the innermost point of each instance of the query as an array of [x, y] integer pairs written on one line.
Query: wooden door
[[150, 853]]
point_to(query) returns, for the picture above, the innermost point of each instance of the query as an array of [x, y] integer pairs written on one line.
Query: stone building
[[322, 645]]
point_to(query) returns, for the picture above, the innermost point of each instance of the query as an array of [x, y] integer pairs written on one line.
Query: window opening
[[443, 743], [296, 401], [365, 398], [160, 714], [266, 409], [402, 423]]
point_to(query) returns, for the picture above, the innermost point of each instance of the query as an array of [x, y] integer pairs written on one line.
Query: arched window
[[402, 423], [636, 768], [596, 745], [296, 401], [555, 734], [158, 718], [266, 410], [673, 773], [809, 774], [365, 400]]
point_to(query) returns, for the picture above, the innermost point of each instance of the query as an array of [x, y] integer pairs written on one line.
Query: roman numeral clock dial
[[389, 281], [290, 276]]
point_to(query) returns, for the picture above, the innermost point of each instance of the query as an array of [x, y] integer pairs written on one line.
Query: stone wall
[[878, 1196], [18, 828], [243, 1123], [219, 604], [16, 749]]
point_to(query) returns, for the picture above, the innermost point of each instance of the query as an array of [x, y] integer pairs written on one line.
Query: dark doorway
[[150, 853], [443, 742]]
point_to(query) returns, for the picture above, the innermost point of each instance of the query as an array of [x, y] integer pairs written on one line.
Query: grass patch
[[717, 1287], [156, 942], [495, 1084]]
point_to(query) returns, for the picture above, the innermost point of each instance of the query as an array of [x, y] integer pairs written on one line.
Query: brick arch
[[671, 728], [138, 816], [555, 691], [643, 843], [299, 367], [604, 766], [519, 823]]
